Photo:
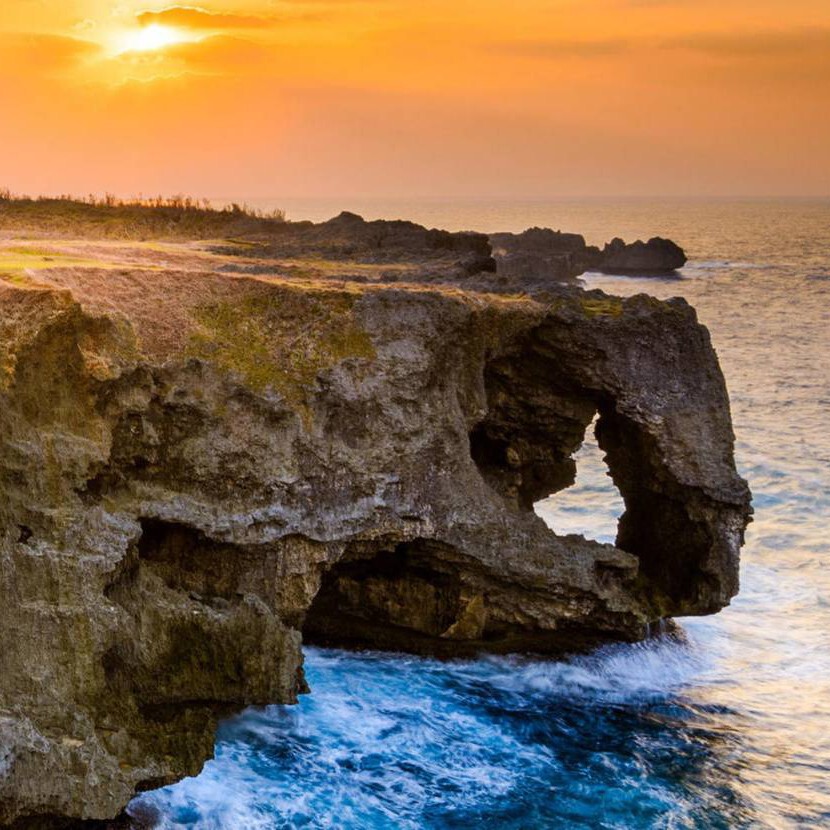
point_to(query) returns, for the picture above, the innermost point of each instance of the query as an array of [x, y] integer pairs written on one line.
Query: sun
[[151, 38]]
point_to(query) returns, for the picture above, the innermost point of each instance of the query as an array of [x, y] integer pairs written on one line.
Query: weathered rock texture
[[196, 469]]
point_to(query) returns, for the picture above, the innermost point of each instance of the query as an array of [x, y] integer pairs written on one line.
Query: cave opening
[[395, 596]]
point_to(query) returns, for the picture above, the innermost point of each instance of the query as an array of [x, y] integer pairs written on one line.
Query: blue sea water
[[726, 725]]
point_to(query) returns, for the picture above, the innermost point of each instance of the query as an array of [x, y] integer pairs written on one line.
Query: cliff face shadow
[[388, 596]]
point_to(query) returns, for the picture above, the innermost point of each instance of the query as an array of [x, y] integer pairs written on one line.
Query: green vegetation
[[15, 262], [30, 251], [281, 340], [15, 277], [114, 218], [602, 306]]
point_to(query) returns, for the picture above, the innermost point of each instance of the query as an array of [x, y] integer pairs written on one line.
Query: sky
[[507, 99]]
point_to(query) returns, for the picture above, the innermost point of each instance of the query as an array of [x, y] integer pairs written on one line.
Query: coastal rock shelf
[[198, 470]]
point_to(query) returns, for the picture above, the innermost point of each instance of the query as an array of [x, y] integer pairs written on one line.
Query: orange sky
[[416, 98]]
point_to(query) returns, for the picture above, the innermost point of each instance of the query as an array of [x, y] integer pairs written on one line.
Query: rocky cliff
[[198, 470]]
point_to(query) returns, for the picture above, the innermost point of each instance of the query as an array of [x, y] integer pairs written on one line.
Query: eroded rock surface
[[198, 469]]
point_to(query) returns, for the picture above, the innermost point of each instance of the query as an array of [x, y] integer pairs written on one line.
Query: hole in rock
[[400, 596], [592, 506]]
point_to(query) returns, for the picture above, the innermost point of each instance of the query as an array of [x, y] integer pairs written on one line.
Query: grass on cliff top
[[281, 341], [16, 263], [108, 217]]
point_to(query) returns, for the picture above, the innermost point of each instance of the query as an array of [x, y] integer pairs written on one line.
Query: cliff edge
[[200, 469]]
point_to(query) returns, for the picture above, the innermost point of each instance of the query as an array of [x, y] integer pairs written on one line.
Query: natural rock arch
[[653, 432]]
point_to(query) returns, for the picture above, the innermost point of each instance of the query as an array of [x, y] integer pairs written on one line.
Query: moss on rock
[[602, 306], [280, 340]]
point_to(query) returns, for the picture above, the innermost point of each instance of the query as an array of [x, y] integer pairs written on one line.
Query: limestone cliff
[[197, 470]]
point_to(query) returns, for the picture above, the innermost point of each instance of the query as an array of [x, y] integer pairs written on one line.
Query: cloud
[[765, 46], [193, 17], [563, 48], [222, 54], [214, 56], [27, 51]]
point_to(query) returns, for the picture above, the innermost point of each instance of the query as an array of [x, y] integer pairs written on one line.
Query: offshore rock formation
[[657, 256], [541, 255], [197, 470]]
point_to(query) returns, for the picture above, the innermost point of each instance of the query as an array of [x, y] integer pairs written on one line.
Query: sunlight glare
[[151, 38]]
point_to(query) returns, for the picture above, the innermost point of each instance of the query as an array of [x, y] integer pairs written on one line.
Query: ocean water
[[726, 725]]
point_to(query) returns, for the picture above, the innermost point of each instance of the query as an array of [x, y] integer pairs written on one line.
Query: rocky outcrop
[[539, 256], [657, 256], [542, 255], [197, 471], [405, 251], [349, 237]]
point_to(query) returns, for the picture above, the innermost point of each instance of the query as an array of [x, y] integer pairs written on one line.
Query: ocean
[[724, 725]]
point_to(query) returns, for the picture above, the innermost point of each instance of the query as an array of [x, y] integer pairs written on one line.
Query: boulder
[[658, 256]]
